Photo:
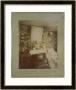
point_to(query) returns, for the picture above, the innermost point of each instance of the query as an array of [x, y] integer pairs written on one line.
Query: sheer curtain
[[36, 33], [36, 36]]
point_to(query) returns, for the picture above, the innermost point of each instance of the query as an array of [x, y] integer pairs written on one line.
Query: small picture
[[37, 45]]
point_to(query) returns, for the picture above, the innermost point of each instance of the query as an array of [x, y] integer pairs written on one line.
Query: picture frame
[[11, 78]]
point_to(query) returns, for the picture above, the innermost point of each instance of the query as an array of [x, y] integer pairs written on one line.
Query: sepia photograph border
[[53, 19]]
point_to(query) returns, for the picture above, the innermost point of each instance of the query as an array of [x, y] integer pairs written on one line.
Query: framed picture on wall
[[38, 44]]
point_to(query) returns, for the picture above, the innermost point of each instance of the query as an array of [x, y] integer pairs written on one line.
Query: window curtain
[[36, 36]]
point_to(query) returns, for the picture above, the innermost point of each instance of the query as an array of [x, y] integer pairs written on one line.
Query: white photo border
[[67, 55], [67, 80]]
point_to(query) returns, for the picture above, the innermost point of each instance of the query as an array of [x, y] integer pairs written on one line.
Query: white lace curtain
[[36, 36]]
